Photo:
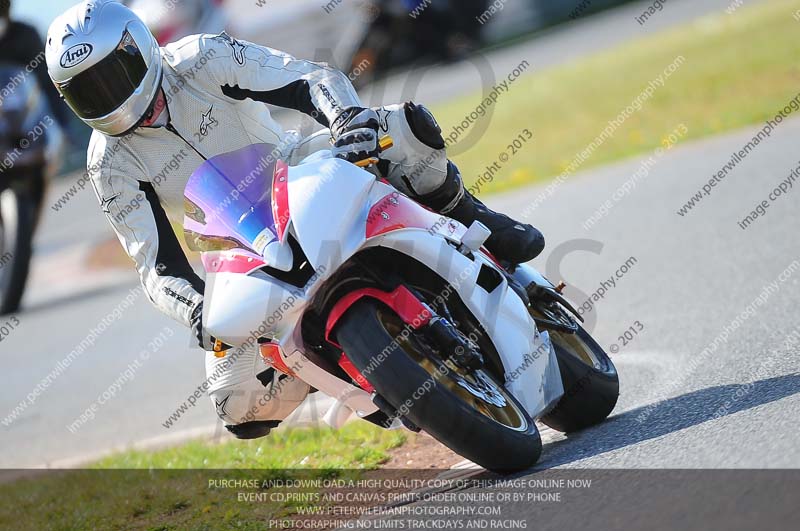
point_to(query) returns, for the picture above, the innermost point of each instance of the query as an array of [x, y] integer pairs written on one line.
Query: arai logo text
[[76, 55]]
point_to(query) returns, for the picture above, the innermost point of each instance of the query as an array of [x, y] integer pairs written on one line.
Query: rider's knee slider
[[253, 429]]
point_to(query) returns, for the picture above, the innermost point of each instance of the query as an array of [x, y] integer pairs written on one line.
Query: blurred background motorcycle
[[171, 20], [30, 141]]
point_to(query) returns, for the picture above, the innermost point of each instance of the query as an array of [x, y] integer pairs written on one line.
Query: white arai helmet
[[105, 63]]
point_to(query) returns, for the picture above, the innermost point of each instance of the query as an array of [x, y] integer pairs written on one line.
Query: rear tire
[[590, 390], [362, 332], [17, 220]]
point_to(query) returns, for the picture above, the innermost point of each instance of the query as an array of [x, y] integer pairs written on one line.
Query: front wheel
[[591, 383], [17, 219], [470, 413]]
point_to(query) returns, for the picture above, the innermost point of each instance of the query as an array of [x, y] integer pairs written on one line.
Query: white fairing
[[246, 306], [329, 203]]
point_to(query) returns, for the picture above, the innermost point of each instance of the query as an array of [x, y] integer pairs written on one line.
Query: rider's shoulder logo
[[75, 55], [238, 47]]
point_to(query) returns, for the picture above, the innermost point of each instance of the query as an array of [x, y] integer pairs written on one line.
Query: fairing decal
[[239, 261], [280, 198]]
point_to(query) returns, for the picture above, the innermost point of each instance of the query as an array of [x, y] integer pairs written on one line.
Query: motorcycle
[[24, 120], [445, 31], [397, 312]]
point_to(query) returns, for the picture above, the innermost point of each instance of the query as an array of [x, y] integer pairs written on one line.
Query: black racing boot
[[510, 241]]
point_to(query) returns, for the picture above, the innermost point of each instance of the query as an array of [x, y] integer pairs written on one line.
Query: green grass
[[739, 69], [166, 490], [357, 445]]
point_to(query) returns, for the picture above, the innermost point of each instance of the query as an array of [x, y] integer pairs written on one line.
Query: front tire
[[494, 432], [591, 383], [17, 220]]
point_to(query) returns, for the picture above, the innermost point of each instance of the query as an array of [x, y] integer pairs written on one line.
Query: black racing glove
[[355, 134]]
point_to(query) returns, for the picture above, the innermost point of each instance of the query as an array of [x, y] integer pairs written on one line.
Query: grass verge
[[171, 489], [739, 69]]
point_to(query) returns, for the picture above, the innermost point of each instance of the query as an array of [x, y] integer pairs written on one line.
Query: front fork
[[445, 335]]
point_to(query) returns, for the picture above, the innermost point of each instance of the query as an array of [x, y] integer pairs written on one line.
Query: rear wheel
[[591, 383], [17, 219], [469, 412]]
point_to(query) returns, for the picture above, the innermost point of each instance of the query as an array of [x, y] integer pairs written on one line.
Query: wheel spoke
[[476, 388]]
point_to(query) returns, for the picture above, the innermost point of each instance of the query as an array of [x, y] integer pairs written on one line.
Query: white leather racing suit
[[216, 87]]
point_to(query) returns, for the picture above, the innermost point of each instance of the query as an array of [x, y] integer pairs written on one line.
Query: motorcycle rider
[[20, 45], [202, 96]]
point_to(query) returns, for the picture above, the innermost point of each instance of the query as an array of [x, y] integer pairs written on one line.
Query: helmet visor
[[105, 86]]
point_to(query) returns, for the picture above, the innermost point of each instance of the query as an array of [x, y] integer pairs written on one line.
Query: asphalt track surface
[[699, 279], [693, 276]]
